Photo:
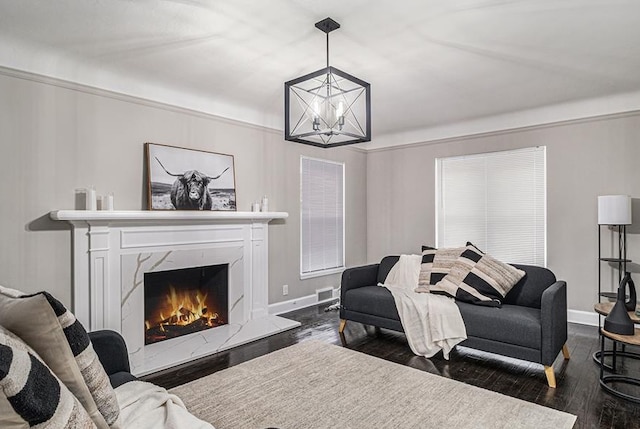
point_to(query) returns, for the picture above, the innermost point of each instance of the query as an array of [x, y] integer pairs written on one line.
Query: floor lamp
[[615, 210]]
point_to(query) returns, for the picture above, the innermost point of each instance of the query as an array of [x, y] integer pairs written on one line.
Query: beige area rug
[[318, 385]]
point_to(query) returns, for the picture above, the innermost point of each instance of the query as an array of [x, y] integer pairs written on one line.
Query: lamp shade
[[614, 210]]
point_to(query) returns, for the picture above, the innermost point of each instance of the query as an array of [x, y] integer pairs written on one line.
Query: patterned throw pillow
[[443, 260], [30, 394], [479, 278], [64, 345], [424, 280]]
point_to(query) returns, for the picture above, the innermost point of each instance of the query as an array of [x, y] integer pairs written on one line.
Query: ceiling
[[437, 68]]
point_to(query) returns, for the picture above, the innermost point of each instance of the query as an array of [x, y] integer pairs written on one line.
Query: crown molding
[[615, 106], [588, 110], [121, 96]]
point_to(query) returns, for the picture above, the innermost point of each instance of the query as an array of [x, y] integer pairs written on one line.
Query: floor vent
[[324, 294]]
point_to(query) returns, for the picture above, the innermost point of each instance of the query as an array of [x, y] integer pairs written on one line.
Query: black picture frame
[[189, 179]]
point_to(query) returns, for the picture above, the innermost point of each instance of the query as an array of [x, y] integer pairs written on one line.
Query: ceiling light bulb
[[316, 116]]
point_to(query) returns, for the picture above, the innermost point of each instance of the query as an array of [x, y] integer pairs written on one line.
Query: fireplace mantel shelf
[[148, 215]]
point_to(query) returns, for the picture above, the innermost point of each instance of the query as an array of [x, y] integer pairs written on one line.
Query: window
[[321, 217], [495, 200]]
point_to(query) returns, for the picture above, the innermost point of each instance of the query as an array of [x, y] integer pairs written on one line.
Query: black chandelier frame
[[324, 130]]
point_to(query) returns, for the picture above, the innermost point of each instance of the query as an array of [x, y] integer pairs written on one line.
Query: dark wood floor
[[578, 390]]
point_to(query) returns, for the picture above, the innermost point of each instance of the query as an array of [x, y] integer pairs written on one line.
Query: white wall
[[54, 140], [584, 160]]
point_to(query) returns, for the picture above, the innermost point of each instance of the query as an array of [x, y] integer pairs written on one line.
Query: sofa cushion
[[478, 278], [64, 346], [511, 324], [374, 300], [30, 394]]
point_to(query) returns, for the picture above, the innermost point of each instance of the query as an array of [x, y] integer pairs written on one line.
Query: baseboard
[[583, 317], [298, 303]]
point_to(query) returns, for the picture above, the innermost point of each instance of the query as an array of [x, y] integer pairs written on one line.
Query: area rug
[[318, 385]]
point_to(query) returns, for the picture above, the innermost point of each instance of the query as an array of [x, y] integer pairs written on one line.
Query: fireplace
[[184, 301], [114, 249]]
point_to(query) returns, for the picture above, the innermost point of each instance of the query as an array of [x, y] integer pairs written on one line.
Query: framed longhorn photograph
[[189, 179]]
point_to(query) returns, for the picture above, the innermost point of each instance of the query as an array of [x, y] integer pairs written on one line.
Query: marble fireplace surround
[[113, 249]]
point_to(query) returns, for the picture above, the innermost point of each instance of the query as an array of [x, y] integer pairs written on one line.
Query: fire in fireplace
[[184, 301]]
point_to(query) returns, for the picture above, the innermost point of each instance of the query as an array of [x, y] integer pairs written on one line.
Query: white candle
[[108, 202], [92, 202]]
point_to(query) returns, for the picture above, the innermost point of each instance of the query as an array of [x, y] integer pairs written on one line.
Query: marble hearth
[[113, 249]]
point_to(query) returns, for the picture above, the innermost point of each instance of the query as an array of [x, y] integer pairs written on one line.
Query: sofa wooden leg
[[565, 352], [551, 376], [343, 323]]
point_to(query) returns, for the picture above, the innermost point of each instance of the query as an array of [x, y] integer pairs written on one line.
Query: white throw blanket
[[145, 405], [431, 322]]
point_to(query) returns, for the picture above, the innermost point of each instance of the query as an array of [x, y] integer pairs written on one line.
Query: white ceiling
[[437, 68]]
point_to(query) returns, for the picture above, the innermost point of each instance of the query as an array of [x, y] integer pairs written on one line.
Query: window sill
[[304, 276]]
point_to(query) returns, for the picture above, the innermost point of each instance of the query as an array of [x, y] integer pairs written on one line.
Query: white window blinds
[[495, 200], [321, 217]]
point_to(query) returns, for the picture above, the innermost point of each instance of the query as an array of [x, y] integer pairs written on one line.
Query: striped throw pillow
[[443, 261], [64, 345], [479, 278], [424, 280], [30, 394]]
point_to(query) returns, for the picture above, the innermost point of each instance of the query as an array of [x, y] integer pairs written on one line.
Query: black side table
[[603, 309], [633, 340]]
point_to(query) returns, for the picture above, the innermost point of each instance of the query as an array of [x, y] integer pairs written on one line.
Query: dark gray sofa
[[112, 353], [531, 324]]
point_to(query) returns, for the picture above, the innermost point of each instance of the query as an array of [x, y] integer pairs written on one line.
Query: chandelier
[[327, 108]]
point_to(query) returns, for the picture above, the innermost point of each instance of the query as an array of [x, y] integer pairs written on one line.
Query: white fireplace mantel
[[126, 216], [113, 249]]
